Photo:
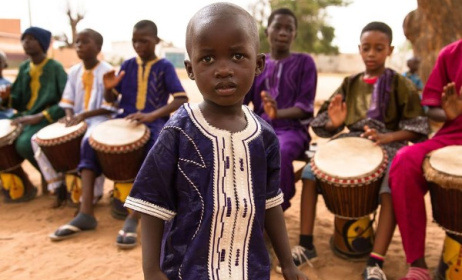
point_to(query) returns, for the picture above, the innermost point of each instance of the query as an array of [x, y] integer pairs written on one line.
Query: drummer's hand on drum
[[337, 111], [110, 79], [139, 117], [378, 138], [269, 105], [30, 119], [451, 102], [73, 120], [5, 92]]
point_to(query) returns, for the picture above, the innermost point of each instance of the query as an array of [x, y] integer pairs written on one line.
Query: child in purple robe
[[209, 187], [283, 94]]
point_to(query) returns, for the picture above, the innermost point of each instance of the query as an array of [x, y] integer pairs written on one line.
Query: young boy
[[412, 74], [82, 101], [4, 112], [35, 93], [378, 104], [407, 181], [284, 93], [141, 90], [210, 185]]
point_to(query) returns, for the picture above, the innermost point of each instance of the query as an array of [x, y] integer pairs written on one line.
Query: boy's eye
[[238, 56], [207, 59]]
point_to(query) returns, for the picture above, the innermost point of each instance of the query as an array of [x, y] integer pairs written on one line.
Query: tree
[[430, 27], [74, 19], [314, 35]]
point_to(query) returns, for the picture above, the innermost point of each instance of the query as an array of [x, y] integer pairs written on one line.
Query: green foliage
[[314, 35]]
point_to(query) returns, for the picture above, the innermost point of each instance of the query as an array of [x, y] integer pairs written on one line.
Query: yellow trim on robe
[[47, 116], [35, 72], [67, 101], [87, 81], [180, 94], [143, 76]]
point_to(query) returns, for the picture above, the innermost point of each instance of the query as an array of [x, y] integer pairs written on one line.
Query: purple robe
[[292, 83], [212, 188]]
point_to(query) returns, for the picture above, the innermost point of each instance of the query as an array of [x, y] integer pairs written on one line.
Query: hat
[[41, 35]]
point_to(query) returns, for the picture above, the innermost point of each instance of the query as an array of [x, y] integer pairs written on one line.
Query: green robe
[[52, 83]]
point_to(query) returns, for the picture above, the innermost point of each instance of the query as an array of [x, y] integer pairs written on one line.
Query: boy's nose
[[223, 70]]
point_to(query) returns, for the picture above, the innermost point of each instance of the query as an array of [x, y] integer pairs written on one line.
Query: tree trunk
[[431, 27]]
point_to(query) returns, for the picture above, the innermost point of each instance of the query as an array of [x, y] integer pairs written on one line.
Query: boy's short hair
[[222, 9], [3, 63], [282, 11], [148, 24], [95, 35], [378, 26]]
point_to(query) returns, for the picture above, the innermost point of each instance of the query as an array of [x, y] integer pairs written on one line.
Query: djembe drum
[[13, 177], [120, 145], [61, 145], [349, 172], [443, 171]]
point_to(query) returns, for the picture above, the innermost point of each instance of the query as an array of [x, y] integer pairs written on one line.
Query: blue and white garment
[[212, 188]]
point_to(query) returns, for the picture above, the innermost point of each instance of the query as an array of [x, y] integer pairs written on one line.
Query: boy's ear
[[391, 49], [261, 58], [189, 70]]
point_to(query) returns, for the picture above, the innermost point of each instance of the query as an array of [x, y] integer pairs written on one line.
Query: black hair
[[142, 24], [378, 26], [282, 11], [95, 35]]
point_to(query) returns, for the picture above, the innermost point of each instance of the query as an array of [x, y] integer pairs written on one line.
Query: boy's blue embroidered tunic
[[212, 188]]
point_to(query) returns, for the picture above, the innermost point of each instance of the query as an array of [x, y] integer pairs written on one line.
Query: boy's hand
[[269, 105], [139, 117], [292, 273], [5, 91], [451, 102], [73, 120], [337, 111], [25, 120], [110, 80], [378, 138]]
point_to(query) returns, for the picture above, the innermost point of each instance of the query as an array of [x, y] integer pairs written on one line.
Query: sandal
[[126, 240], [65, 232]]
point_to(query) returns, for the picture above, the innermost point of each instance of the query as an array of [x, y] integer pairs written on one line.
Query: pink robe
[[407, 182]]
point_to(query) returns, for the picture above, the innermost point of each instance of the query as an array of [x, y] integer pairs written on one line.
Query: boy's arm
[[152, 229], [276, 229], [161, 112]]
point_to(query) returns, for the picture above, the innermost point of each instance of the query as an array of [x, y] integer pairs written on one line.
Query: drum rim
[[444, 180], [9, 138], [121, 149], [62, 139], [364, 179]]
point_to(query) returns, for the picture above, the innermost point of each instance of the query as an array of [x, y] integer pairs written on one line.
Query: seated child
[[210, 185], [283, 94], [4, 112], [35, 94], [443, 95], [82, 101], [141, 91], [378, 104]]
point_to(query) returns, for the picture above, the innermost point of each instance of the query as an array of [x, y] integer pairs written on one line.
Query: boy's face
[[86, 46], [281, 32], [223, 60], [144, 42], [374, 49], [30, 45]]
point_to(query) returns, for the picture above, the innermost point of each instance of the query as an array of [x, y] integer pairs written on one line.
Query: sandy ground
[[27, 253]]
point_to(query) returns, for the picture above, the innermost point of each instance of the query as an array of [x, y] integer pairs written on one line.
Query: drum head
[[57, 130], [118, 132], [447, 160], [349, 157], [6, 128]]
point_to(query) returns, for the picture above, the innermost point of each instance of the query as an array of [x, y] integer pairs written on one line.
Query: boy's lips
[[225, 88]]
